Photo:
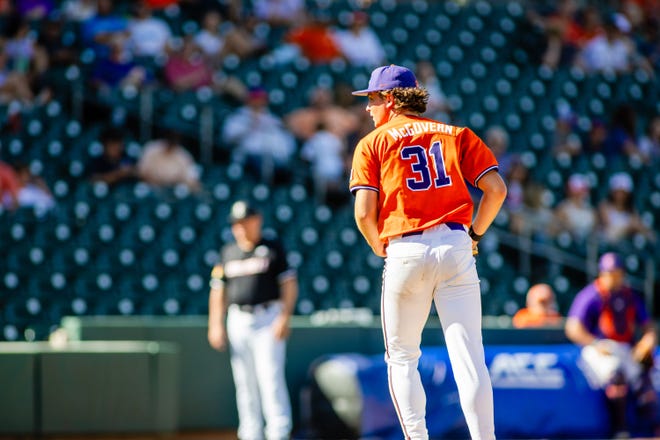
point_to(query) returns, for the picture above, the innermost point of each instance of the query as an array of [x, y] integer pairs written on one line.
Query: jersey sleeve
[[584, 309], [476, 158], [365, 168]]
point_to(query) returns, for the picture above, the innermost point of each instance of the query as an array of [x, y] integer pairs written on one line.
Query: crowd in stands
[[133, 45], [619, 36]]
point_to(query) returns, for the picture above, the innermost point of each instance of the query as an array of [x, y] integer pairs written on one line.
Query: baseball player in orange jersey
[[413, 207]]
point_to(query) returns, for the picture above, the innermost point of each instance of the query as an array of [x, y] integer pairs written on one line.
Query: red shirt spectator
[[161, 4], [315, 41], [9, 186]]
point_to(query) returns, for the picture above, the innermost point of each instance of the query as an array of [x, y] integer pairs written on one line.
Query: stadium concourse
[[135, 249]]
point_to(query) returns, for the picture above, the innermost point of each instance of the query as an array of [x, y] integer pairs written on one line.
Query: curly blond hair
[[413, 99]]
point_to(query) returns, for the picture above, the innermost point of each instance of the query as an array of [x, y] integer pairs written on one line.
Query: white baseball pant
[[435, 266], [257, 361]]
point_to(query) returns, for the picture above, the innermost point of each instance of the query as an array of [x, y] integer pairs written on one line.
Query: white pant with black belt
[[435, 266], [257, 361]]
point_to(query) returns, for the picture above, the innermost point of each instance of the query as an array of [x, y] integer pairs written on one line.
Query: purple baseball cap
[[610, 262], [387, 78]]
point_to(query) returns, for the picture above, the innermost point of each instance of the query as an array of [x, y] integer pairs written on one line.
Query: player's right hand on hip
[[380, 249]]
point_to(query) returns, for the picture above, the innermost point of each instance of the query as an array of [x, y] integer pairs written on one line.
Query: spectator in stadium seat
[[279, 13], [359, 44], [321, 109], [497, 139], [613, 50], [535, 217], [210, 39], [618, 217], [78, 10], [113, 166], [161, 4], [540, 310], [258, 138], [117, 69], [33, 191], [609, 320], [60, 54], [562, 32], [188, 69], [575, 214], [565, 139], [621, 140], [648, 40], [326, 154], [35, 9], [14, 86], [103, 28], [24, 55], [314, 39], [218, 38], [9, 186], [165, 163], [149, 37]]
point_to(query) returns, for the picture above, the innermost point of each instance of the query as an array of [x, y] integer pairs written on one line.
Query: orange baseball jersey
[[419, 167]]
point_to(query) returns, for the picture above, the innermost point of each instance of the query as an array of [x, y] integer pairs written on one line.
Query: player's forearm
[[577, 333], [494, 193], [648, 341], [217, 307], [366, 218], [289, 295], [369, 230]]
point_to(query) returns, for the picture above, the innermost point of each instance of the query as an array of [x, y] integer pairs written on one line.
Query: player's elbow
[[496, 189], [493, 185], [361, 215]]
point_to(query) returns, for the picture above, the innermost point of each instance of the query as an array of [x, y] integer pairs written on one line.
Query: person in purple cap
[[411, 177], [610, 321]]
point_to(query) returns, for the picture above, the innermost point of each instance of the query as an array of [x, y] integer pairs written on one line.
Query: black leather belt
[[451, 225]]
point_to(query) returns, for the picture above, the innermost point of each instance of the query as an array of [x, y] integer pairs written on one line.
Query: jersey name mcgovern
[[419, 128]]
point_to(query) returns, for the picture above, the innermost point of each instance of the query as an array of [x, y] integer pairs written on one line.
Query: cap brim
[[364, 92]]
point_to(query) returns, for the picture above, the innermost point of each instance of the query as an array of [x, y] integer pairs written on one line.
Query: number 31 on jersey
[[424, 166]]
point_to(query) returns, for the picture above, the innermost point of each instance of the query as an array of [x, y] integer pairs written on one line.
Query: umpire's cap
[[388, 78], [241, 210]]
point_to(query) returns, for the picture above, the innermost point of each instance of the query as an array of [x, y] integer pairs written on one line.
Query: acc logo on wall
[[526, 370]]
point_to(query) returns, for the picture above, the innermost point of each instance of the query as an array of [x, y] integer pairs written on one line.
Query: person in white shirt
[[258, 138], [359, 44], [576, 214], [326, 153], [209, 38], [148, 36], [279, 12], [612, 50]]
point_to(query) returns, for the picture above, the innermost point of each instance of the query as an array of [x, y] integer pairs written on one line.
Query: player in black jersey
[[253, 294]]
